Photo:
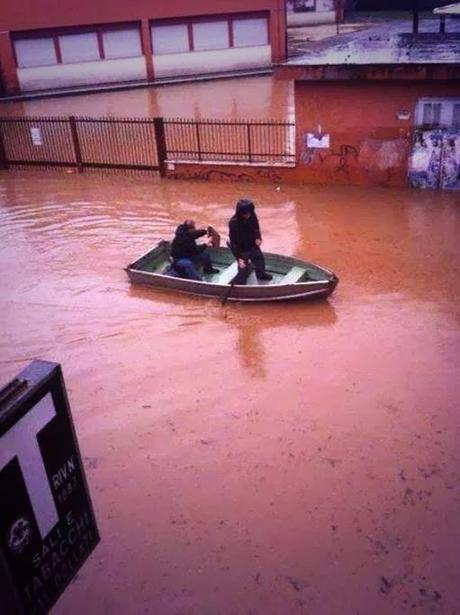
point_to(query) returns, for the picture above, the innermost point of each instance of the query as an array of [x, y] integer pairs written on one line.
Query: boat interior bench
[[228, 274], [293, 275]]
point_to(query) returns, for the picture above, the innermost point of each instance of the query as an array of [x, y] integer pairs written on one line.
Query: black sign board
[[47, 524]]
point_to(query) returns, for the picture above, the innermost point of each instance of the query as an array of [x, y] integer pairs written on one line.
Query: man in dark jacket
[[187, 254], [245, 241]]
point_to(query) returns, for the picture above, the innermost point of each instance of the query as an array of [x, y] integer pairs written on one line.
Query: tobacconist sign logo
[[47, 525], [20, 535]]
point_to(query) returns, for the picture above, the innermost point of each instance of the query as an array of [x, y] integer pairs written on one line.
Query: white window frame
[[133, 30], [30, 40], [249, 19], [219, 47], [74, 35], [447, 110], [158, 26]]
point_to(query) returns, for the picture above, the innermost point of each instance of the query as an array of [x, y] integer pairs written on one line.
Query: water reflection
[[251, 325], [250, 98], [254, 325]]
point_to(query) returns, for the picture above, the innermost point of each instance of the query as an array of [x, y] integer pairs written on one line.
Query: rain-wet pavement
[[246, 98], [287, 458], [366, 39]]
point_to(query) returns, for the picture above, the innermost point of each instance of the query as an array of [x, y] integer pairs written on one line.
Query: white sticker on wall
[[318, 141], [36, 135]]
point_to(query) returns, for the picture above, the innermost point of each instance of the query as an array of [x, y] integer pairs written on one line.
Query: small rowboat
[[292, 278]]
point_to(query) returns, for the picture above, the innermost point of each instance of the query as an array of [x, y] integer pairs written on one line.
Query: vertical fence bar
[[3, 158], [160, 139], [76, 143], [249, 142], [198, 142]]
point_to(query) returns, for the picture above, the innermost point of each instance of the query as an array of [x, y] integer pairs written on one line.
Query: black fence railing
[[82, 142], [262, 142], [141, 143]]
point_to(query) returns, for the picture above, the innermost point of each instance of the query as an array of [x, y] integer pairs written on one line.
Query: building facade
[[311, 12], [382, 109], [49, 44], [377, 125], [392, 126]]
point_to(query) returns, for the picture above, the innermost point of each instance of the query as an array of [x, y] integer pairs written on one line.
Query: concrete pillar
[[8, 68], [277, 32], [147, 48]]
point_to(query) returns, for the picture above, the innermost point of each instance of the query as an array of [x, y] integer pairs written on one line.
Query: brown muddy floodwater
[[273, 459], [246, 98]]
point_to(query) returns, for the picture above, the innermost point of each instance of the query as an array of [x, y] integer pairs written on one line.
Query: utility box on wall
[[47, 524]]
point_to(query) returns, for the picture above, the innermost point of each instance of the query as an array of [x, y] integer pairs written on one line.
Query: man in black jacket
[[186, 253], [245, 241]]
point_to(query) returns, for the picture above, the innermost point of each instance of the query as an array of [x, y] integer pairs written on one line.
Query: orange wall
[[368, 144], [34, 14]]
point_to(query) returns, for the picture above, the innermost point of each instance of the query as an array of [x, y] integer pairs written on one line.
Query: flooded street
[[265, 459], [248, 98]]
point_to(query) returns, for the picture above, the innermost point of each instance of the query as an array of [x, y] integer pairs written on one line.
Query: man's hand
[[241, 263], [258, 242]]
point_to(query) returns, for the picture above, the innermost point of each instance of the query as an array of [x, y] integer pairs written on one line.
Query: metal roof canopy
[[449, 9]]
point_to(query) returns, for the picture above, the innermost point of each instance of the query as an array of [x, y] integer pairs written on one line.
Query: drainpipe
[[286, 48], [415, 16], [339, 9], [442, 24]]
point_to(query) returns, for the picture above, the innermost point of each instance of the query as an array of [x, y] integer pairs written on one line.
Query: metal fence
[[142, 143], [82, 142], [263, 142]]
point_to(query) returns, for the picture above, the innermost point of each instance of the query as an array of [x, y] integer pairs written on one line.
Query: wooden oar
[[229, 292], [232, 284]]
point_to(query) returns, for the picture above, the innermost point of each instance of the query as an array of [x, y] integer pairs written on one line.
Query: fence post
[[3, 158], [160, 140], [198, 141], [76, 143], [249, 142]]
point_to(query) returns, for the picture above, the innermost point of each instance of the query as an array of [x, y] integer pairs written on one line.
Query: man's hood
[[181, 230], [244, 206]]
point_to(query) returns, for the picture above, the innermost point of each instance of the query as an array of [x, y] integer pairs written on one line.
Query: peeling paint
[[435, 159], [451, 162]]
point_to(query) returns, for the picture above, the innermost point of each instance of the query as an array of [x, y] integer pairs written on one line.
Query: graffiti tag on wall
[[206, 174], [343, 156]]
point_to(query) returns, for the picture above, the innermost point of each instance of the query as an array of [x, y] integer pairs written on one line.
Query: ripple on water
[[65, 223]]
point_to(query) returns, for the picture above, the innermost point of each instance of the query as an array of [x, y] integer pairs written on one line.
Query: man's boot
[[263, 275], [210, 269]]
